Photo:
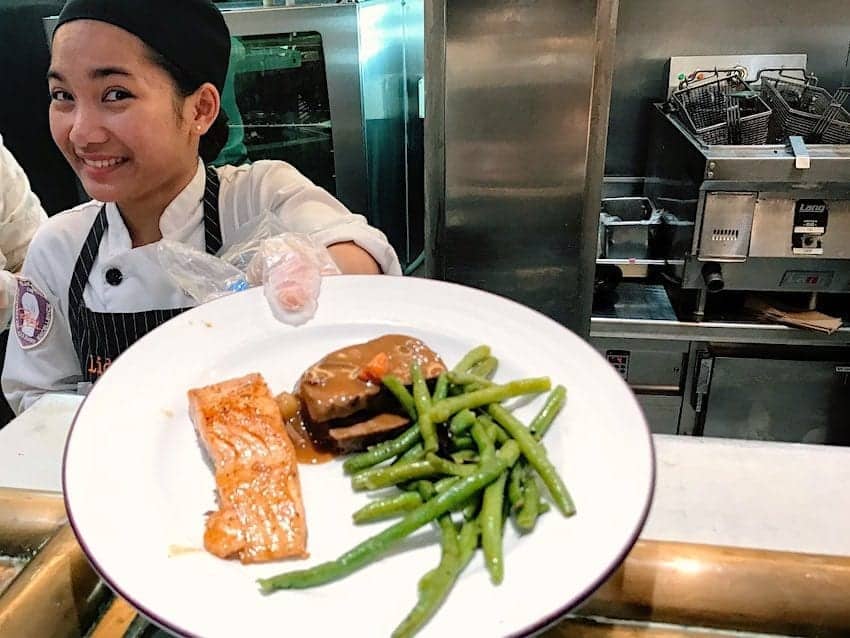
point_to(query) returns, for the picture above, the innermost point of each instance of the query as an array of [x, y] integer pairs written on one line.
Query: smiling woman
[[135, 90]]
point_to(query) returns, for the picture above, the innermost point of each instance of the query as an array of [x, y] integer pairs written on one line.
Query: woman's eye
[[115, 95], [58, 95]]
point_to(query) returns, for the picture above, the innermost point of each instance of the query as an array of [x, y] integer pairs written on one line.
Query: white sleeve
[[7, 298], [20, 211], [51, 365], [306, 208]]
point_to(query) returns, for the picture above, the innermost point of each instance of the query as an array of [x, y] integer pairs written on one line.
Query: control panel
[[620, 360], [810, 217]]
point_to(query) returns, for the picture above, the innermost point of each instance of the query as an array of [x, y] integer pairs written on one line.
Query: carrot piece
[[376, 369]]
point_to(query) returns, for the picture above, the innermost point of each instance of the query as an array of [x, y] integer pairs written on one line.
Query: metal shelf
[[641, 262], [714, 331]]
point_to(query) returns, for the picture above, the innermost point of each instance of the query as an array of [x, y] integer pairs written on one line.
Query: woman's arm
[[353, 260], [305, 208]]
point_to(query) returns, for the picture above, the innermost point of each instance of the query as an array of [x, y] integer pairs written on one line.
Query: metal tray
[[625, 228]]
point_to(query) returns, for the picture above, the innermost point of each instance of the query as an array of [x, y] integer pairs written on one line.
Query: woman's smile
[[100, 165]]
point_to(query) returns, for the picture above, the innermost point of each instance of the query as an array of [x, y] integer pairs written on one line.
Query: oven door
[[655, 371], [329, 88], [773, 394], [294, 94]]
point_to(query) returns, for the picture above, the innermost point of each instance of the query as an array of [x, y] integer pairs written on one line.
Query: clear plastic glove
[[246, 241], [292, 267], [289, 266], [201, 276]]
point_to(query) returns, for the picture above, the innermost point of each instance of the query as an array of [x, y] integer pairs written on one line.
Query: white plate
[[137, 487]]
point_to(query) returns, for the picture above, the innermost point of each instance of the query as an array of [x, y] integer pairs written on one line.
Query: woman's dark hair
[[216, 137]]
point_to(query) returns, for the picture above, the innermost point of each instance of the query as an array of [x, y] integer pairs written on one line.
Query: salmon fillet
[[260, 515]]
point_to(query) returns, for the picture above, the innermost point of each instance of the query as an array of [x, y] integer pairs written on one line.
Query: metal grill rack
[[802, 108], [722, 109]]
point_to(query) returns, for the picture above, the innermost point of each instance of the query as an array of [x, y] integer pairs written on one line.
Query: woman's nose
[[86, 128]]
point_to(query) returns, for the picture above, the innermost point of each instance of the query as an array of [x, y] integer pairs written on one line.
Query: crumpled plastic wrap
[[201, 276], [289, 266]]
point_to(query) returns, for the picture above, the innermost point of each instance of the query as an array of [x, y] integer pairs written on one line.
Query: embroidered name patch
[[33, 314]]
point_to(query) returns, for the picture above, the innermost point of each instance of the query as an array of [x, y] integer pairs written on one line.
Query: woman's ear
[[203, 107]]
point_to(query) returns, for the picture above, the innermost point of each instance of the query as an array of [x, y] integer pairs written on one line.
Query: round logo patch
[[33, 314]]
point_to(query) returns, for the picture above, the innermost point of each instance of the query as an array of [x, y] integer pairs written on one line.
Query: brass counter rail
[[691, 589]]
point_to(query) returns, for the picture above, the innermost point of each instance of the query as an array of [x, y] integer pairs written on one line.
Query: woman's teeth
[[104, 163]]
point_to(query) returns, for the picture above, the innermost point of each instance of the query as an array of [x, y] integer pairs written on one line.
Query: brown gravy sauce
[[333, 387], [306, 450]]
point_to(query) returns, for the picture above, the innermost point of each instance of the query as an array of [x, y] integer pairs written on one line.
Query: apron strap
[[212, 222], [85, 261]]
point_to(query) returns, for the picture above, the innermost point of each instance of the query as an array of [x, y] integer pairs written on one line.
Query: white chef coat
[[20, 216], [246, 192]]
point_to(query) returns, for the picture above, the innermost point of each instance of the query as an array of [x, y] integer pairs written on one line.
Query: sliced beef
[[359, 436], [343, 390]]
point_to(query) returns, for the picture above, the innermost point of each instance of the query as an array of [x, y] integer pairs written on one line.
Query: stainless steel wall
[[651, 31], [514, 140]]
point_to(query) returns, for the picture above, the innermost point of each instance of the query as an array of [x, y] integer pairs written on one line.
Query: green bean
[[470, 508], [535, 453], [491, 521], [462, 456], [443, 466], [493, 430], [395, 385], [486, 452], [387, 507], [471, 358], [436, 584], [543, 507], [441, 411], [443, 484], [416, 453], [441, 389], [468, 540], [485, 368], [527, 515], [423, 403], [378, 477], [461, 422], [382, 451], [426, 490], [554, 402], [373, 548], [463, 443], [484, 441], [515, 485], [467, 378]]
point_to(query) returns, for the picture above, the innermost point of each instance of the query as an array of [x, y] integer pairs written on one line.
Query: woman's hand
[[353, 260]]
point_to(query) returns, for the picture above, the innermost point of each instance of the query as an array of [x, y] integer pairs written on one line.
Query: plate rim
[[530, 630]]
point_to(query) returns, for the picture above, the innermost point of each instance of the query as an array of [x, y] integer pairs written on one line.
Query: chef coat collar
[[179, 219]]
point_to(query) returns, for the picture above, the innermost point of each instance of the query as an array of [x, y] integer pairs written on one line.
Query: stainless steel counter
[[715, 332]]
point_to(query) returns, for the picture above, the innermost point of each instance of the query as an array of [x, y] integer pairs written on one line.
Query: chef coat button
[[114, 276]]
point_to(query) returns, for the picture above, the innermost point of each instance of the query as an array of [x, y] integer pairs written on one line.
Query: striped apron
[[99, 337]]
